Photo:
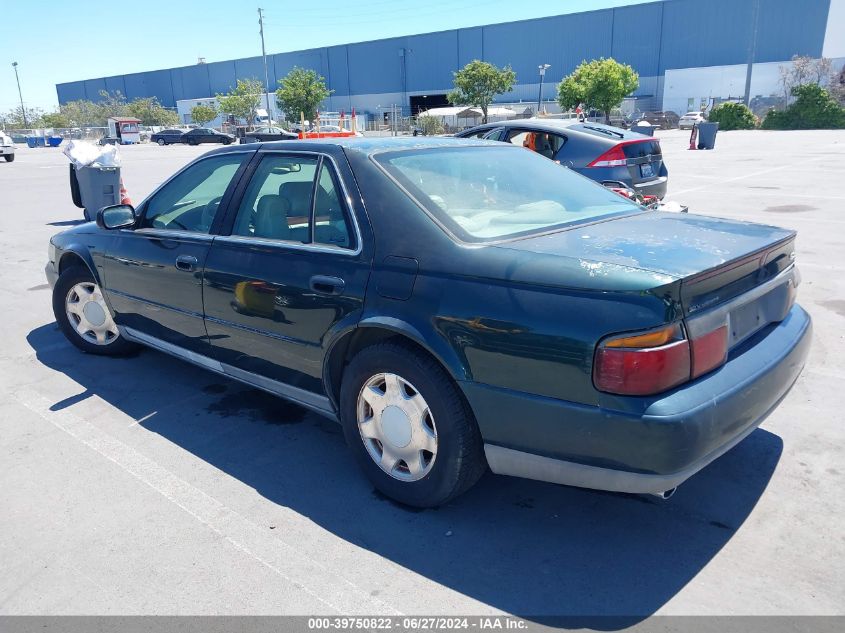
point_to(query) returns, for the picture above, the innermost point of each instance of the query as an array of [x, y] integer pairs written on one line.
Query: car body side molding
[[314, 402]]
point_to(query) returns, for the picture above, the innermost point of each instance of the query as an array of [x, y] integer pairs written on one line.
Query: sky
[[70, 40]]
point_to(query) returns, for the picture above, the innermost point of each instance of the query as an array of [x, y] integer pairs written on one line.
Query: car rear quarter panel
[[515, 320]]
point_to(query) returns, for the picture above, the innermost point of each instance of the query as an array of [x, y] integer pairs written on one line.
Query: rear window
[[489, 193], [642, 149]]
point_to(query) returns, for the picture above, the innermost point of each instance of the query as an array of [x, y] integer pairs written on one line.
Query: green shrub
[[733, 116], [430, 125], [813, 109]]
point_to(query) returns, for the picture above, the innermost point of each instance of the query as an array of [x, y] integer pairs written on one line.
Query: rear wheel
[[409, 427], [83, 315], [9, 158]]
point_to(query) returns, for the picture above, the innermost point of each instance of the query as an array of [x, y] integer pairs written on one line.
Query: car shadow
[[528, 548]]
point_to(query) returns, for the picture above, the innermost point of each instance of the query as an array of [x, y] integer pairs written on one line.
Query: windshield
[[495, 192]]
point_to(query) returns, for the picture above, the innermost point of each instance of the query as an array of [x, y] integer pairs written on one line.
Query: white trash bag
[[84, 154]]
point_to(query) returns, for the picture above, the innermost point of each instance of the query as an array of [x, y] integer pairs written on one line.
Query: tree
[[111, 104], [814, 108], [803, 69], [83, 113], [54, 120], [14, 118], [151, 112], [600, 84], [202, 114], [243, 101], [301, 91], [478, 82]]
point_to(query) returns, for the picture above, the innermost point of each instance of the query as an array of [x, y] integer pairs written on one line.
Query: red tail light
[[614, 157], [651, 362], [709, 351], [643, 364]]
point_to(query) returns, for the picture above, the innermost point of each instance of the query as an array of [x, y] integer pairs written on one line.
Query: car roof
[[365, 145], [595, 130]]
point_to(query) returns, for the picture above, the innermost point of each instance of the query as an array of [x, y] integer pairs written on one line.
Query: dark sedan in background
[[266, 134], [206, 135], [167, 137], [453, 304], [600, 152]]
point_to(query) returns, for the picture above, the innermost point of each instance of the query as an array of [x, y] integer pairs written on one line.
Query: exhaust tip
[[666, 494]]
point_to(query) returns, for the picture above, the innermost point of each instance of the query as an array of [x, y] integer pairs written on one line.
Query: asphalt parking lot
[[147, 486]]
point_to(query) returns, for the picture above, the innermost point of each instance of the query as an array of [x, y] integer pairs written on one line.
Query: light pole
[[23, 110], [542, 68], [264, 57]]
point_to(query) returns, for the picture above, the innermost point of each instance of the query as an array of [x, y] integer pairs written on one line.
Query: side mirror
[[117, 216]]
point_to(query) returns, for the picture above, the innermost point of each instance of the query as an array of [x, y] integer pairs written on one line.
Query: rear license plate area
[[647, 170]]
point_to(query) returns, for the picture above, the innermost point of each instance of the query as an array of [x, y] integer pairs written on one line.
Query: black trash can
[[93, 188], [648, 130], [707, 135]]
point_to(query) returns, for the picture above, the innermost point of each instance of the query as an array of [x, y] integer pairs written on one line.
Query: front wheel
[[162, 142], [83, 315], [409, 426], [9, 158]]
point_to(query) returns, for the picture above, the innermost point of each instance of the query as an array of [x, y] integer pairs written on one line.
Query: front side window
[[294, 199], [486, 193], [189, 202]]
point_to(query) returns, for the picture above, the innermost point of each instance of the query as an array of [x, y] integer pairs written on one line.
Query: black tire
[[67, 280], [161, 142], [10, 158], [459, 462], [227, 141]]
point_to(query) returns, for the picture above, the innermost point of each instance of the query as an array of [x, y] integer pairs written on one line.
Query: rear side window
[[294, 199], [486, 193], [546, 144]]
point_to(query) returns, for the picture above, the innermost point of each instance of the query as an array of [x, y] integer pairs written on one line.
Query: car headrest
[[298, 195], [271, 217]]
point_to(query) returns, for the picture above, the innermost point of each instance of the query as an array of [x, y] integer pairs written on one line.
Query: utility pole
[[264, 57], [752, 51], [20, 95]]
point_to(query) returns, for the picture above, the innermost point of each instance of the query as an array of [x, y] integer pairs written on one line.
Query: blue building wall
[[652, 37]]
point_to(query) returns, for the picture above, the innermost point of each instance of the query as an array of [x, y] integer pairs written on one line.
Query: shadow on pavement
[[524, 547]]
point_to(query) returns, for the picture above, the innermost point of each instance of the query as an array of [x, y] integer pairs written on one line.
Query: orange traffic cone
[[692, 137], [124, 195]]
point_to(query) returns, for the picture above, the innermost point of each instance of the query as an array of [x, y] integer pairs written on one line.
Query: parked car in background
[[168, 136], [690, 119], [661, 120], [584, 340], [7, 147], [265, 134], [206, 135], [600, 152]]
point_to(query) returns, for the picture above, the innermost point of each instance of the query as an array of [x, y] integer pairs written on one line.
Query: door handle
[[325, 285], [186, 262]]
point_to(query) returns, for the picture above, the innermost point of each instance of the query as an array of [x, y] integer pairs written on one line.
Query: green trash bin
[[707, 135]]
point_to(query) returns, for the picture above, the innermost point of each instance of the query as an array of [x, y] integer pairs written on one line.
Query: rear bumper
[[646, 445], [656, 187], [6, 149]]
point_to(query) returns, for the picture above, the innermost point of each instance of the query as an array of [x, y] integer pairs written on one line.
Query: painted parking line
[[337, 593]]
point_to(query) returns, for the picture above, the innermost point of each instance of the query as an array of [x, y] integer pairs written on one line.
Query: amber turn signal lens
[[649, 339]]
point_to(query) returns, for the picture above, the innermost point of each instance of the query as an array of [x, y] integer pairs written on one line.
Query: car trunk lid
[[715, 259]]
